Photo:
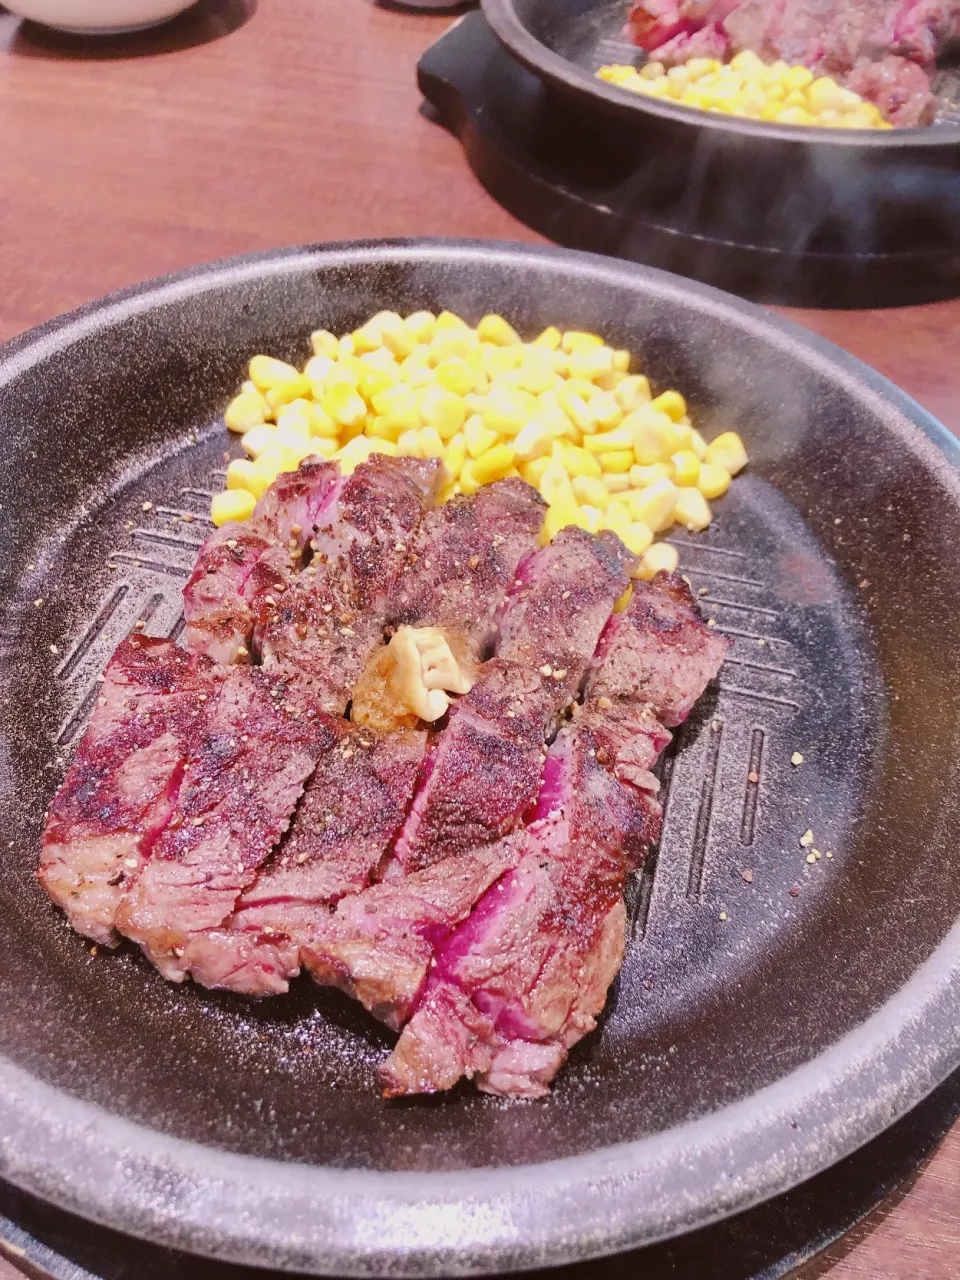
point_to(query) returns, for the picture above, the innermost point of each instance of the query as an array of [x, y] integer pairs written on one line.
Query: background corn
[[746, 86], [564, 412]]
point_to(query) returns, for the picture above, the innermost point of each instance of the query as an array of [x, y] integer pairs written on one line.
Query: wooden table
[[246, 127]]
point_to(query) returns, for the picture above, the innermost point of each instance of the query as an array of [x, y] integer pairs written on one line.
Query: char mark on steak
[[525, 976], [121, 788], [351, 810], [483, 772], [323, 623], [256, 742]]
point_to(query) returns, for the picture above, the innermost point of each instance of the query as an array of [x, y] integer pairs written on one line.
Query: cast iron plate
[[567, 41], [739, 1056]]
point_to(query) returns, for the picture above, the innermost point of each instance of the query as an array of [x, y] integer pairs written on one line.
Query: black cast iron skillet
[[567, 41], [761, 1028]]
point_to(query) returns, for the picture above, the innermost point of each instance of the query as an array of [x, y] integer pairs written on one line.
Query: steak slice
[[525, 976], [657, 651], [463, 558], [238, 562], [324, 623], [121, 788], [352, 808], [378, 945], [484, 771], [256, 743]]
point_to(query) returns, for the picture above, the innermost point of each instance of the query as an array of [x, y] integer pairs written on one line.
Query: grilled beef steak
[[121, 789], [463, 880], [523, 979]]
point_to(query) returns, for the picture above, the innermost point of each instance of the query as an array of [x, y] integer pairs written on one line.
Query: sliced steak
[[525, 976], [352, 808], [378, 945], [463, 558], [484, 771], [324, 623], [256, 744], [121, 788], [657, 651], [238, 562]]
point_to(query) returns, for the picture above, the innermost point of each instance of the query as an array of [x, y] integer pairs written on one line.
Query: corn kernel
[[686, 467], [495, 329], [550, 338], [380, 429], [591, 492], [604, 411], [555, 484], [266, 372], [325, 343], [399, 407], [576, 339], [592, 518], [713, 481], [577, 461], [245, 411], [692, 510], [284, 392], [559, 516], [535, 439], [443, 410], [469, 484], [621, 361], [257, 439], [640, 477], [344, 404], [317, 369], [590, 362], [232, 504], [654, 505], [618, 440], [727, 451], [361, 449], [421, 325], [698, 444], [619, 462], [624, 600], [652, 433], [535, 372], [617, 517], [479, 438], [455, 454], [276, 460], [493, 465], [296, 417], [660, 558], [508, 411], [431, 442], [396, 335], [367, 337], [242, 474], [455, 374], [636, 537], [408, 444], [576, 409], [616, 483], [632, 392], [532, 472], [672, 404], [377, 378]]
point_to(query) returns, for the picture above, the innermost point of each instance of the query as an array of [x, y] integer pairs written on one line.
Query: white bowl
[[104, 17]]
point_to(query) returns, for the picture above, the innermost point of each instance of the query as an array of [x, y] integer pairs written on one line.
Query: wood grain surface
[[245, 126]]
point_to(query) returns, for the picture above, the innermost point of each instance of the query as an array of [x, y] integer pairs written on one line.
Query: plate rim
[[365, 1223]]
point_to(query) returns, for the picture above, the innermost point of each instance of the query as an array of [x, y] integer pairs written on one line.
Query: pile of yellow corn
[[745, 86], [564, 412]]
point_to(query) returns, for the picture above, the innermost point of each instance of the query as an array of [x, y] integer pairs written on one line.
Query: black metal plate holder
[[727, 211]]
